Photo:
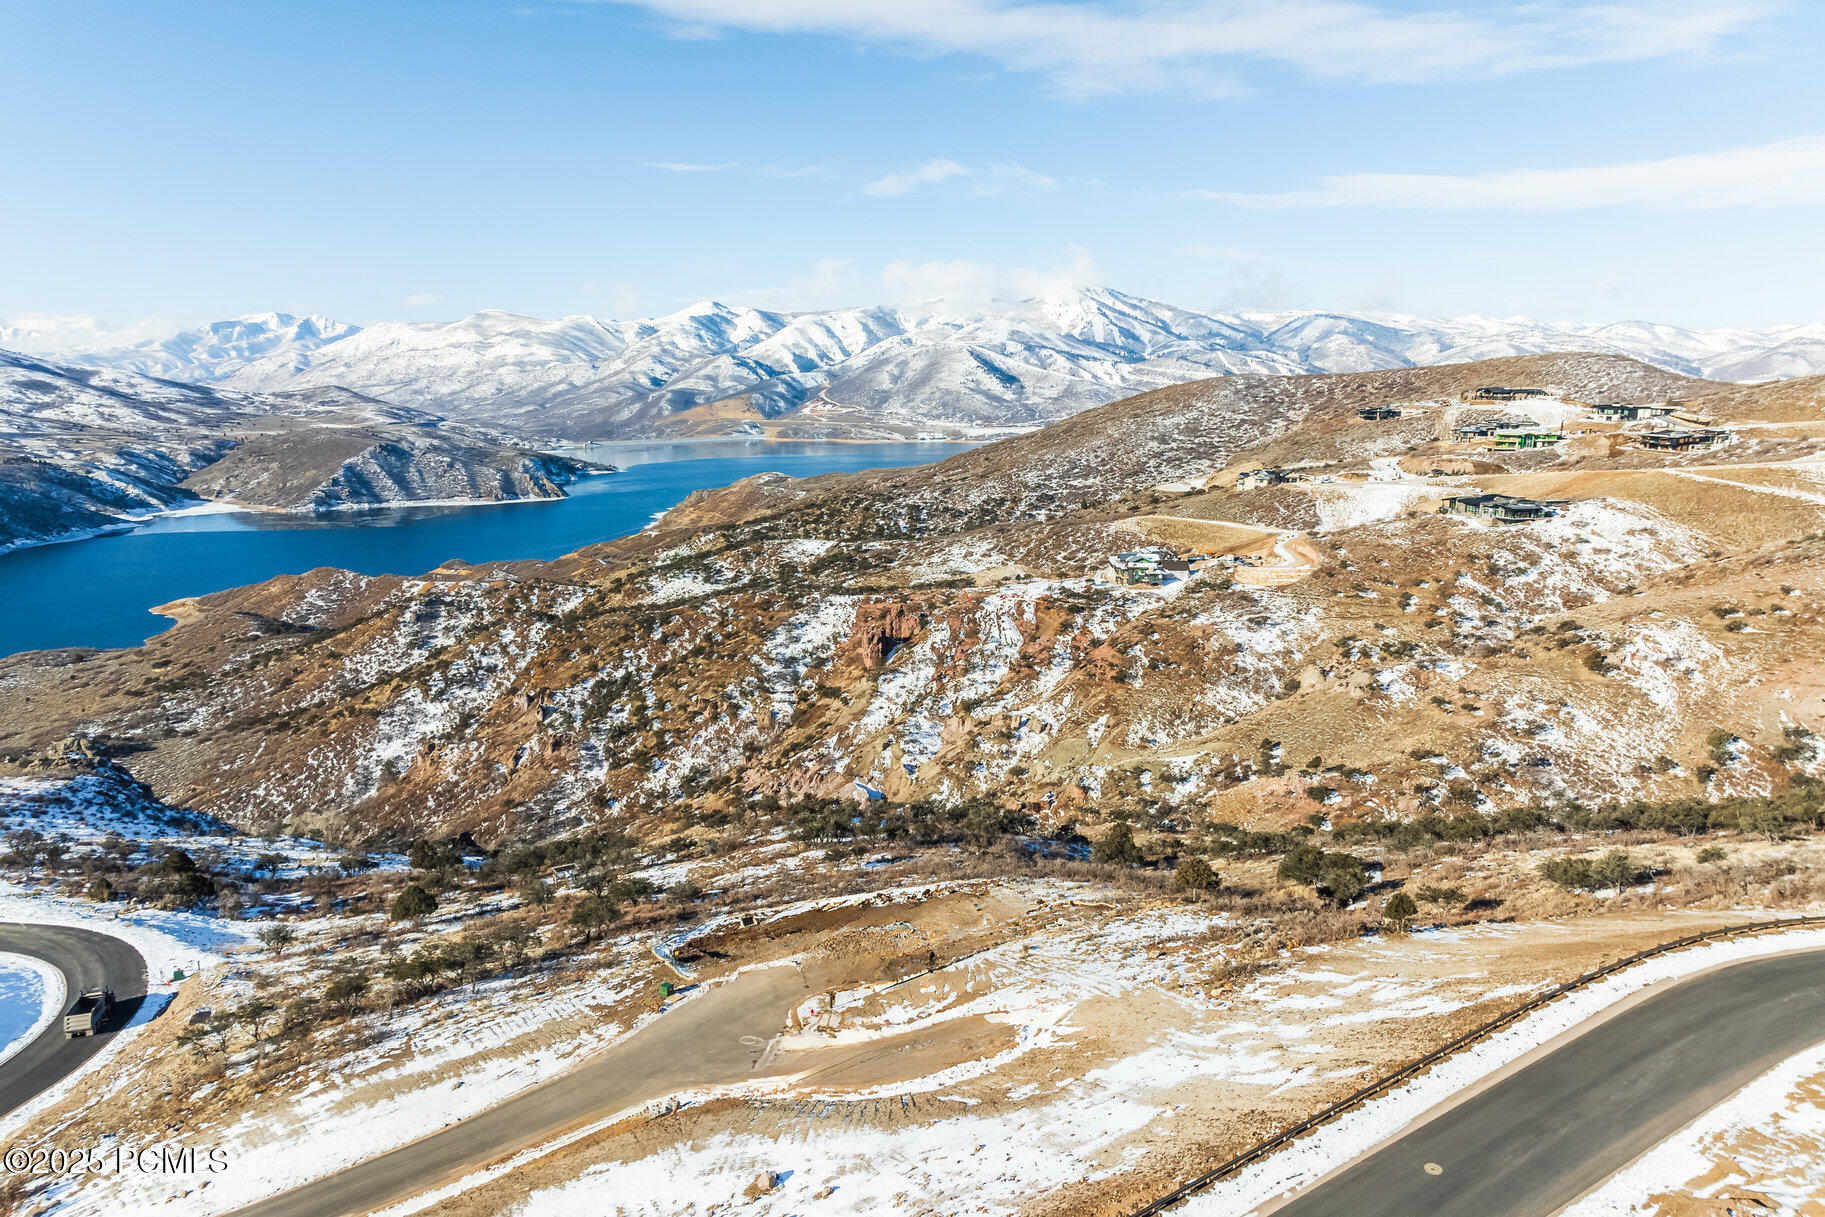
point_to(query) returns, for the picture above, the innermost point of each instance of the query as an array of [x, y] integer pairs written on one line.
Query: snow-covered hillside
[[1010, 364], [89, 450]]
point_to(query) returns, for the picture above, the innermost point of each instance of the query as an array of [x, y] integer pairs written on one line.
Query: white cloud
[[1092, 48], [829, 282], [622, 296], [1785, 173], [423, 299], [45, 334], [961, 283], [978, 180], [938, 169]]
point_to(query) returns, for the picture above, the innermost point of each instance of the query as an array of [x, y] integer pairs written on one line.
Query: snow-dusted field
[[83, 812], [1078, 1100]]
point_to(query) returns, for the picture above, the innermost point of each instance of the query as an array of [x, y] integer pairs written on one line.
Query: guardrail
[[1292, 1132]]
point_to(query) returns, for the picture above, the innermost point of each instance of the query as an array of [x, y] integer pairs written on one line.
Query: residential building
[[1523, 437], [1252, 479], [1631, 413], [1680, 441], [1501, 507], [1148, 567]]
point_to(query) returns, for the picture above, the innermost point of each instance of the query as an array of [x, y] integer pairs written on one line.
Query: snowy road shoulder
[[31, 995], [1365, 1129], [168, 942], [1768, 1139]]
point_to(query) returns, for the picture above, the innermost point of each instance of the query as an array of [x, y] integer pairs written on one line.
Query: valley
[[1001, 608], [1025, 830]]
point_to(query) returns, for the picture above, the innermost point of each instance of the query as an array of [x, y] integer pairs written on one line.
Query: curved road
[[88, 960], [714, 1038], [1542, 1137]]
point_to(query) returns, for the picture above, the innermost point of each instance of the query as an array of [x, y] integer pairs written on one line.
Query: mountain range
[[86, 450], [713, 367]]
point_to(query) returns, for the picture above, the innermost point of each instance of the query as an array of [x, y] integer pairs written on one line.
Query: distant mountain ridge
[[87, 450], [1009, 365]]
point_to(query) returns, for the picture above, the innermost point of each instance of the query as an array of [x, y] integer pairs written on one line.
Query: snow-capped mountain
[[43, 395], [1008, 365], [217, 351]]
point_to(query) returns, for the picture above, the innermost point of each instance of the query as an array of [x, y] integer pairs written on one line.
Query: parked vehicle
[[89, 1014]]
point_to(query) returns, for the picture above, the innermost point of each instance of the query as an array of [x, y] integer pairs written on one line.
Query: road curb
[[1292, 1132]]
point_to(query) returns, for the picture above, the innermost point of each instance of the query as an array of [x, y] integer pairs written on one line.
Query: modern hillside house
[[1149, 567], [1523, 437], [1630, 413], [1252, 479], [1680, 441], [1503, 508], [1377, 413]]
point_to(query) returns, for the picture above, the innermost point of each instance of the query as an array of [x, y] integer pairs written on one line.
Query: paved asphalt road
[[712, 1038], [88, 961], [1552, 1131]]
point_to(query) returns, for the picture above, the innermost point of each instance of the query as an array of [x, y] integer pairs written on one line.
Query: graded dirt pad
[[1187, 533], [1108, 1062], [1722, 503]]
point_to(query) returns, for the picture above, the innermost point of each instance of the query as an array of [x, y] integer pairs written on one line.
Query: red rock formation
[[878, 629]]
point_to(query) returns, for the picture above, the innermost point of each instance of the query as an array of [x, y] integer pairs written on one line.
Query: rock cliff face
[[879, 630]]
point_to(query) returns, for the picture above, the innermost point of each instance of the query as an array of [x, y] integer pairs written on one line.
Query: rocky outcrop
[[878, 631]]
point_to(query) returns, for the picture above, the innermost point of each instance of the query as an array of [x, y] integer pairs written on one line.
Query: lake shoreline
[[59, 596], [130, 521]]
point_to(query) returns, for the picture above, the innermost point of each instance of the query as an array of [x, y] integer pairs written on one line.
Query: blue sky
[[1563, 159]]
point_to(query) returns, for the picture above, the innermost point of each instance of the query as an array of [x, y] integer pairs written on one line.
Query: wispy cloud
[[422, 299], [980, 180], [769, 169], [963, 283], [1093, 48], [46, 334], [938, 169], [828, 283], [1780, 174]]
